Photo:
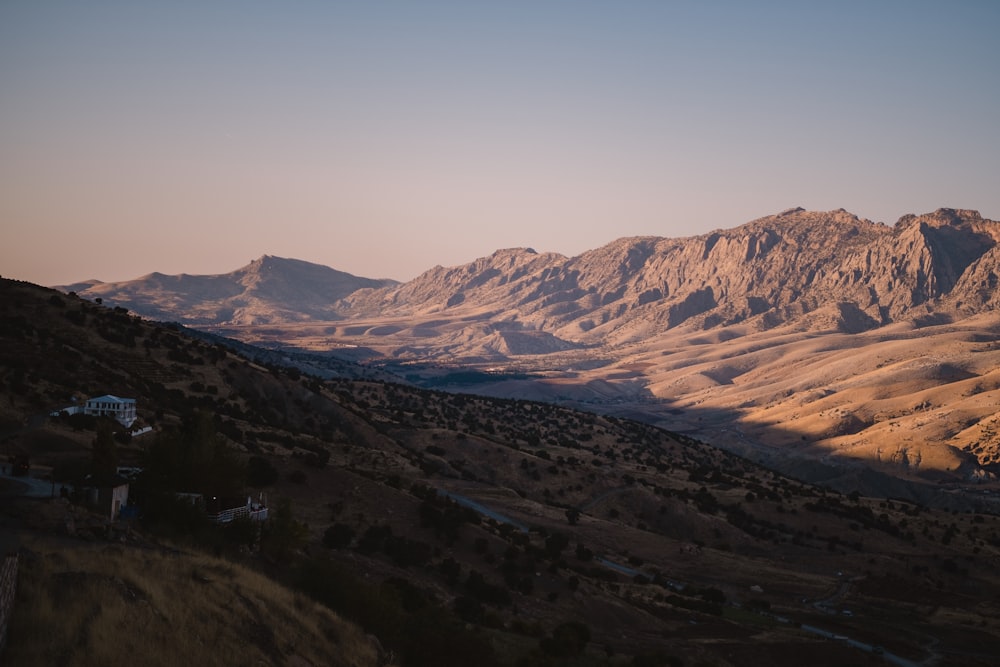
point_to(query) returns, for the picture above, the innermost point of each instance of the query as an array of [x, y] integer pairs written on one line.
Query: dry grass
[[112, 605], [929, 393]]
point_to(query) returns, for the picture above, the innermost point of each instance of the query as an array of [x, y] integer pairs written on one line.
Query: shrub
[[568, 640], [260, 472], [338, 536]]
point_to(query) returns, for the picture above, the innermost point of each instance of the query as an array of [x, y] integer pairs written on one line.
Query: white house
[[122, 409]]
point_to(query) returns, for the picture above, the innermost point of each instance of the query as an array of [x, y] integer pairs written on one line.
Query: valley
[[802, 340], [764, 445], [912, 403]]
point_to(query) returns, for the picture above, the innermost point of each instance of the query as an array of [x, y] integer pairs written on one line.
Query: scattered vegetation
[[455, 529], [109, 604]]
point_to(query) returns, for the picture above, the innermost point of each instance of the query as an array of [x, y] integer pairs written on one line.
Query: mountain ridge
[[267, 290], [773, 269], [802, 327]]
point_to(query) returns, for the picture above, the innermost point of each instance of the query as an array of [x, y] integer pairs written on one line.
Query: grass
[[113, 605]]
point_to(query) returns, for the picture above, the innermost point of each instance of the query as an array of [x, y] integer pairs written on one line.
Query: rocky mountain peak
[[955, 217], [266, 263], [790, 211], [770, 271], [267, 290]]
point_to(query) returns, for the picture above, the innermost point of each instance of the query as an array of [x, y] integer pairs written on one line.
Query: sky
[[385, 138]]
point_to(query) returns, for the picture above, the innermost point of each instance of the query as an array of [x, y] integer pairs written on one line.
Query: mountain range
[[771, 271], [797, 338]]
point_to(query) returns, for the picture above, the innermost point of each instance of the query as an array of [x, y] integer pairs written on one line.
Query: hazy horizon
[[382, 139]]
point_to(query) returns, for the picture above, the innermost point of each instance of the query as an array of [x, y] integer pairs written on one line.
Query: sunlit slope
[[818, 332], [923, 402]]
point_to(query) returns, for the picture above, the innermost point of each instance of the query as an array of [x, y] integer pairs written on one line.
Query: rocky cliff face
[[831, 270], [776, 270]]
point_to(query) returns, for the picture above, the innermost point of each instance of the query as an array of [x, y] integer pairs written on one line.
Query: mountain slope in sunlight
[[267, 290], [817, 332]]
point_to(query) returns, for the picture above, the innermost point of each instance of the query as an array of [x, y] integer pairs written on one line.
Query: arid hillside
[[268, 289], [454, 529], [799, 336], [106, 603]]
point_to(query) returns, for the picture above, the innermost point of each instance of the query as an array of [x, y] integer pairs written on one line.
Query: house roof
[[111, 398], [104, 481]]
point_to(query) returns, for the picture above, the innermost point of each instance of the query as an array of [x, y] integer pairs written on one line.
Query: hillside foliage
[[456, 529]]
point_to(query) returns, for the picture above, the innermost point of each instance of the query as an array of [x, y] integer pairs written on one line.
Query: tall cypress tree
[[104, 450]]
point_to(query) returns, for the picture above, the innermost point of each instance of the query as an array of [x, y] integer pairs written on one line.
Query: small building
[[108, 494], [120, 409]]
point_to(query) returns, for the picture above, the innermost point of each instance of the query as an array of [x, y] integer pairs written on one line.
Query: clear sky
[[384, 138]]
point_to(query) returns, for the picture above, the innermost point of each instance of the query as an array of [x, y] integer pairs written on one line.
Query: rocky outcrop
[[829, 269]]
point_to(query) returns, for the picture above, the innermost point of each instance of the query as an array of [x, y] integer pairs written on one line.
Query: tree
[[104, 451], [194, 459], [338, 536], [260, 472], [554, 545], [281, 534], [568, 640]]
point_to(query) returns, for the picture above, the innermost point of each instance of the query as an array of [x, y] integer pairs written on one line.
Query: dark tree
[[281, 534], [194, 459], [338, 536], [104, 451], [260, 472]]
